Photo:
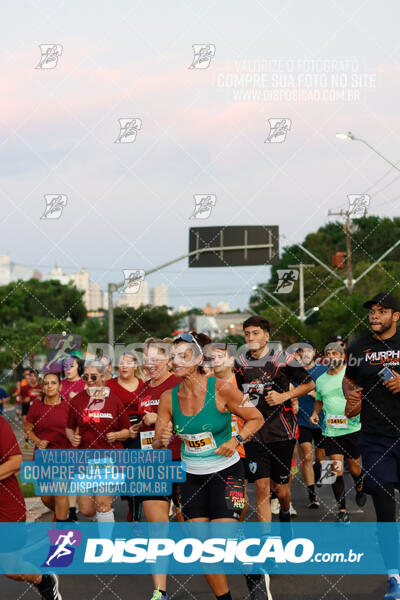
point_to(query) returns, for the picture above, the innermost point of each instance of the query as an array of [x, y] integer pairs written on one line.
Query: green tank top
[[202, 433]]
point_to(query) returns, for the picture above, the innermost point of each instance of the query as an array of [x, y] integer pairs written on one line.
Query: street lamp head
[[345, 136]]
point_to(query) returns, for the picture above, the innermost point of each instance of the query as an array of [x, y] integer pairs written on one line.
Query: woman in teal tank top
[[199, 410]]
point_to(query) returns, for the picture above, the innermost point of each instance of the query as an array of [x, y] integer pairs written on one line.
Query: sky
[[324, 66]]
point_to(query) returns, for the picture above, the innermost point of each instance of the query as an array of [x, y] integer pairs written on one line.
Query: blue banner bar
[[136, 548]]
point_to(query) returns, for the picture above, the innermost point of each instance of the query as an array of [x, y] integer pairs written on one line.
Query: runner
[[156, 508], [340, 433], [12, 507], [222, 359], [45, 427], [72, 385], [126, 387], [309, 433], [265, 375], [97, 420], [372, 386], [29, 392], [214, 470], [4, 397]]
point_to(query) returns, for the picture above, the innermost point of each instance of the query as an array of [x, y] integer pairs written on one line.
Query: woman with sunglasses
[[200, 410], [127, 387], [97, 420], [156, 356], [45, 427]]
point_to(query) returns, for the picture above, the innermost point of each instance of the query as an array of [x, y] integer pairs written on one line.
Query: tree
[[137, 324]]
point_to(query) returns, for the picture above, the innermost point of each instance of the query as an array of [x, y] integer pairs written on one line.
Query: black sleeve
[[351, 362], [293, 371], [238, 369]]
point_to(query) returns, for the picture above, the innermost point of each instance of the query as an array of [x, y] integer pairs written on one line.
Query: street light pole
[[301, 266], [352, 137]]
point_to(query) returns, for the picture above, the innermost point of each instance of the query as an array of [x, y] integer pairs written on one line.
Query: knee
[[262, 488], [87, 511], [102, 506]]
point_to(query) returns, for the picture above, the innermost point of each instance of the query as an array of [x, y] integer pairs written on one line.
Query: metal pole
[[317, 259], [376, 152], [377, 261], [301, 288], [348, 254], [110, 290]]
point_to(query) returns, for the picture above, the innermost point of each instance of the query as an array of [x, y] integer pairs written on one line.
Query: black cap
[[383, 299]]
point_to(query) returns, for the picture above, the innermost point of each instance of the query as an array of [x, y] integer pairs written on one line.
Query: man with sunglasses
[[372, 387]]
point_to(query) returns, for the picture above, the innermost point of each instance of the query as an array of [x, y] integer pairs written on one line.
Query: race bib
[[337, 421], [197, 443], [146, 439]]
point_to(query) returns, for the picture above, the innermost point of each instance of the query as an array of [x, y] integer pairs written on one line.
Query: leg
[[283, 494], [338, 487], [49, 501], [61, 508], [306, 457], [87, 506], [157, 511], [262, 488]]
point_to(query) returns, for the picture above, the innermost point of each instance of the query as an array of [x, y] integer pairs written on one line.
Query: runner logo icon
[[62, 547]]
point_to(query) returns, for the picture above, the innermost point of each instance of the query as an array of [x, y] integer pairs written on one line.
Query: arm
[[164, 427], [352, 393], [118, 436], [314, 419], [233, 401], [11, 466], [275, 398], [42, 444], [73, 438]]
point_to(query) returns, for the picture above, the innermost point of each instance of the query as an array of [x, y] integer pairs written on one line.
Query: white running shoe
[[275, 506], [292, 510]]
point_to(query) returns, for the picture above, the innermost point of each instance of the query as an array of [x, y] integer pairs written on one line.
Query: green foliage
[[137, 324]]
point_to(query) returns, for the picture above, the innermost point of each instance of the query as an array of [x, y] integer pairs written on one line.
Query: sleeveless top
[[203, 433]]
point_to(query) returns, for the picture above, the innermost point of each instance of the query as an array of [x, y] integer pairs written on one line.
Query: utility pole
[[301, 266], [346, 228]]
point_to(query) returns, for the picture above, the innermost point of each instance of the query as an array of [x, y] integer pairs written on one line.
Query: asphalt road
[[194, 587]]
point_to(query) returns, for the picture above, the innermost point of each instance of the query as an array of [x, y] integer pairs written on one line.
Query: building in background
[[140, 298], [159, 295], [92, 292], [222, 307], [10, 271]]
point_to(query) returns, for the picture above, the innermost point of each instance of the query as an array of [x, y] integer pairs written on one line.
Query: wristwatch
[[239, 439]]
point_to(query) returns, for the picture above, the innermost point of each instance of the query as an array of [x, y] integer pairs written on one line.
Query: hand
[[149, 418], [353, 403], [134, 430], [274, 398], [165, 435], [75, 440], [112, 436], [393, 384], [314, 419], [227, 448], [42, 444]]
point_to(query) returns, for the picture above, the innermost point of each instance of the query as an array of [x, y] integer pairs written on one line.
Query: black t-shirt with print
[[380, 409], [274, 371]]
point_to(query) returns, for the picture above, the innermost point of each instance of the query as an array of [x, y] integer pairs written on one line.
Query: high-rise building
[[135, 300], [159, 295]]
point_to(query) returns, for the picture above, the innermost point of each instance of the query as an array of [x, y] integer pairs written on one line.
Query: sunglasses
[[90, 377], [190, 339]]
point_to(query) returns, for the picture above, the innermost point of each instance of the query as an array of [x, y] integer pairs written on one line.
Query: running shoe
[[48, 588], [361, 498], [393, 592], [256, 584], [313, 503], [275, 506], [157, 595], [343, 517], [292, 510]]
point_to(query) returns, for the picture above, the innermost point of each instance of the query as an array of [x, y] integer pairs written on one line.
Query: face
[[93, 377], [335, 358], [25, 374], [307, 355], [71, 368], [51, 385], [155, 362], [32, 379], [381, 319], [255, 337], [220, 360], [183, 359], [126, 366]]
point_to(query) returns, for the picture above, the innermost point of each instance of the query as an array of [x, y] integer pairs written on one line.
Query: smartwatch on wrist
[[239, 439]]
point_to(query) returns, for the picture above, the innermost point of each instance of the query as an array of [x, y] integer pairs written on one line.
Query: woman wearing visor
[[199, 409]]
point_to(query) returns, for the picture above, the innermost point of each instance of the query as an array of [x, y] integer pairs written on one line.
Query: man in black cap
[[372, 387]]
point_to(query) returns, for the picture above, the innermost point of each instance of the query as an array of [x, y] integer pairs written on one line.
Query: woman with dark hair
[[72, 383], [200, 411], [127, 387], [97, 420], [45, 427]]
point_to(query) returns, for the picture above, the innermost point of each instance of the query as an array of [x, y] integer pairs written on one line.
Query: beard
[[382, 328], [333, 363]]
